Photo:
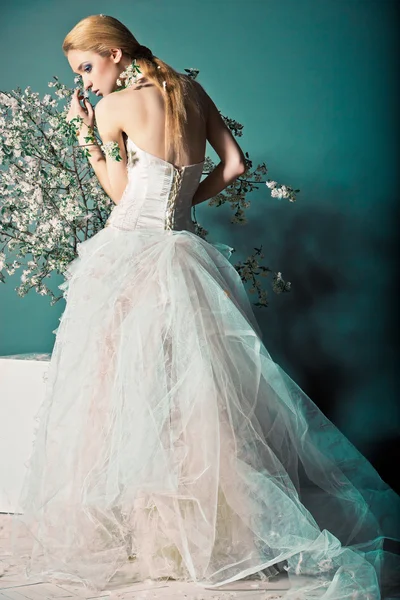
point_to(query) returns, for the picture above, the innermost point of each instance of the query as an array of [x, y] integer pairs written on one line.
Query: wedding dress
[[168, 438]]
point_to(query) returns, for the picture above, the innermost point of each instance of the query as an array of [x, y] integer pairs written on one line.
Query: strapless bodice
[[158, 194]]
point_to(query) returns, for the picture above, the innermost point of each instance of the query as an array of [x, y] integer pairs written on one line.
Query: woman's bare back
[[143, 119]]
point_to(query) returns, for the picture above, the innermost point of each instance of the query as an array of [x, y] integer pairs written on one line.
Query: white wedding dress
[[170, 441]]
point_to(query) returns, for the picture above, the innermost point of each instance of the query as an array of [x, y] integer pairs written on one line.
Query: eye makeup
[[81, 65]]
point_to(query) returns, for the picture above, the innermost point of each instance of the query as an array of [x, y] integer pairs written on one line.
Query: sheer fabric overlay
[[169, 440]]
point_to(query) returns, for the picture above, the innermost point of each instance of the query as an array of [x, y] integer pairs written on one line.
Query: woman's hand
[[77, 110]]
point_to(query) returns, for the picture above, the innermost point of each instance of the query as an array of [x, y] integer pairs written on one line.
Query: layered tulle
[[170, 441]]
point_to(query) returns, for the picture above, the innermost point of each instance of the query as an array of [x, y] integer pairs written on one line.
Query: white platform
[[22, 387]]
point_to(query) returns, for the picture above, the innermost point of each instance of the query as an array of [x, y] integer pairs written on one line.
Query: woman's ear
[[116, 54]]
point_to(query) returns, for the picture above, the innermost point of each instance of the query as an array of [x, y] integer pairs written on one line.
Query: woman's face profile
[[99, 74]]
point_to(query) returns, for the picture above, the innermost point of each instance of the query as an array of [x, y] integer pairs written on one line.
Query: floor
[[15, 590], [13, 585]]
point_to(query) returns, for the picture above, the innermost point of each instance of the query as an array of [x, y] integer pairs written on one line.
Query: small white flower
[[285, 191], [111, 149], [130, 74], [276, 193], [271, 184]]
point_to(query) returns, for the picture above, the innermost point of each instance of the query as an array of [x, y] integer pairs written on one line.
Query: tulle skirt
[[170, 442]]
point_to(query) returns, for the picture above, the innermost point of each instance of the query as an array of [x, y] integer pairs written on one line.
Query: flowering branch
[[51, 199]]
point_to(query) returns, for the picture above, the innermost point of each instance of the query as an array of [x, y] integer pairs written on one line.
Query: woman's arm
[[107, 114], [97, 161], [233, 160], [86, 138], [219, 178]]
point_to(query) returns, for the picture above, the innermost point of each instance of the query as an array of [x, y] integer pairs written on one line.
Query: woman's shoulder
[[202, 97], [105, 104], [113, 106], [113, 99]]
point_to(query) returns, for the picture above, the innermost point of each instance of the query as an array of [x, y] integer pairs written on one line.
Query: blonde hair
[[100, 33]]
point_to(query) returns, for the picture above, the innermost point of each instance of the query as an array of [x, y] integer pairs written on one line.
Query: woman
[[169, 440]]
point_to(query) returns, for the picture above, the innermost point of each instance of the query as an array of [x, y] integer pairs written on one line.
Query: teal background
[[315, 85]]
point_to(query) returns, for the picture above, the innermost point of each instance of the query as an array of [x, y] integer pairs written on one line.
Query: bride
[[169, 442]]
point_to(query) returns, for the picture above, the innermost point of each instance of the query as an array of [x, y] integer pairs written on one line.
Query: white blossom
[[285, 191], [277, 193], [271, 184]]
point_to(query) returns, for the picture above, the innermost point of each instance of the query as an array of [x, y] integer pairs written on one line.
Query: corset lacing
[[175, 187]]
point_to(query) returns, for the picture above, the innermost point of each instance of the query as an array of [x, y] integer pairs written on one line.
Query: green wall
[[315, 85]]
